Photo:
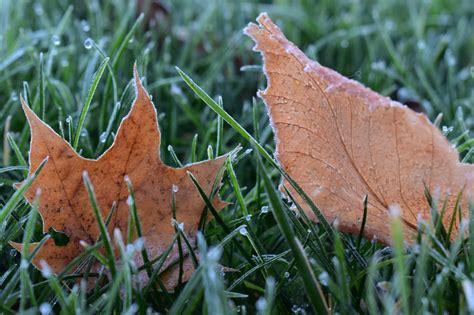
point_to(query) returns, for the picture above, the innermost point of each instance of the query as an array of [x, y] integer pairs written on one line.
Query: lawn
[[194, 60]]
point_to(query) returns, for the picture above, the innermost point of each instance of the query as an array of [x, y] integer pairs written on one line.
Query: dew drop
[[13, 252], [88, 43], [324, 278], [64, 62], [55, 40], [243, 231], [446, 130], [24, 264], [45, 269], [295, 309], [103, 137], [139, 244], [69, 119], [264, 209], [287, 274], [248, 217], [421, 45], [261, 304], [45, 308], [85, 26], [14, 96], [130, 200], [175, 188], [379, 65], [450, 58]]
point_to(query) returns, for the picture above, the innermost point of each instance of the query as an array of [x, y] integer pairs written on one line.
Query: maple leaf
[[135, 154], [341, 141]]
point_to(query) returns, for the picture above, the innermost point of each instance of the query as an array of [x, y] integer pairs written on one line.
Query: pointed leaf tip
[[27, 110], [138, 82]]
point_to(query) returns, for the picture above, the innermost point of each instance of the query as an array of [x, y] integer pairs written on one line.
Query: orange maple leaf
[[135, 154], [341, 141]]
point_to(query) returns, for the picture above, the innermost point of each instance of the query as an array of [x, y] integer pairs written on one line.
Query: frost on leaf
[[341, 141], [134, 156]]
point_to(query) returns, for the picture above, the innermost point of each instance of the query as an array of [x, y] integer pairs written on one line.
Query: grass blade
[[87, 103], [13, 201], [313, 289]]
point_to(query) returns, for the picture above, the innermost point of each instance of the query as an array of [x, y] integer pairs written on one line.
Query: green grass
[[73, 61]]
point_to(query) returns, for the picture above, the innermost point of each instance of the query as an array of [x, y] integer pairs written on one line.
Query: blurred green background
[[420, 53]]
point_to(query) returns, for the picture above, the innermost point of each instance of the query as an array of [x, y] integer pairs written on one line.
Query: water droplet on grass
[[24, 264], [14, 96], [379, 65], [139, 243], [446, 130], [421, 45], [103, 137], [85, 26], [243, 231], [324, 278], [264, 209], [261, 304], [45, 308], [45, 269], [55, 40], [88, 43]]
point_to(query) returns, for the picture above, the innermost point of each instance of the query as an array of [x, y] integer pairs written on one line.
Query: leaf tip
[[15, 245], [138, 82], [30, 115]]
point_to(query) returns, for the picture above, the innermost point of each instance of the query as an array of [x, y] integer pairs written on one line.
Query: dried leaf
[[135, 153], [341, 141]]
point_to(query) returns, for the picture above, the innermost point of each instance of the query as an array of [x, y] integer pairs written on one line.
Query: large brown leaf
[[341, 141], [135, 153]]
